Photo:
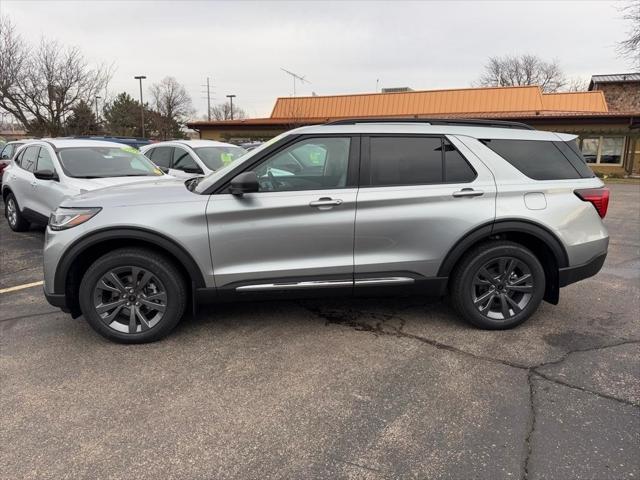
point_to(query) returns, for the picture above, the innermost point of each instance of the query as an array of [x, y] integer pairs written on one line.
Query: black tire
[[16, 221], [164, 278], [492, 300]]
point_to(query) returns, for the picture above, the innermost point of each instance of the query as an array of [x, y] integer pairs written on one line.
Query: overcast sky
[[340, 47]]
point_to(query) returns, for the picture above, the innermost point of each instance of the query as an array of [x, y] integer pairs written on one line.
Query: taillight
[[599, 198]]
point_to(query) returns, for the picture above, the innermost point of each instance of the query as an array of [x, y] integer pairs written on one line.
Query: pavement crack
[[364, 467], [583, 389], [531, 427], [581, 350]]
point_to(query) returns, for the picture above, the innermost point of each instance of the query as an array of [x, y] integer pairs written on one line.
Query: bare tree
[[40, 86], [222, 111], [630, 47], [172, 105], [576, 84], [509, 71]]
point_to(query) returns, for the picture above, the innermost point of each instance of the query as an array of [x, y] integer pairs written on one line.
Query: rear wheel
[[498, 285], [133, 296], [16, 221]]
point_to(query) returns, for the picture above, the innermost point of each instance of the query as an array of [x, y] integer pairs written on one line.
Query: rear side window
[[574, 155], [540, 160], [406, 160]]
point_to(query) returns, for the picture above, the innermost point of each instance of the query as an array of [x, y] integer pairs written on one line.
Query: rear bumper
[[571, 275]]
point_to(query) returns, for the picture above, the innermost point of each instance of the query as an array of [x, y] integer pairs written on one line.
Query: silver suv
[[495, 214]]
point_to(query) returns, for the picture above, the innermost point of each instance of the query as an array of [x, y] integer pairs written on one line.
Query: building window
[[603, 150]]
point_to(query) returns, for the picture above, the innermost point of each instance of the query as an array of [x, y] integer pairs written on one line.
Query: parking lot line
[[21, 287]]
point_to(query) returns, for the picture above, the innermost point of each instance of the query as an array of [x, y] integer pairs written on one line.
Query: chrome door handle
[[325, 202], [468, 192]]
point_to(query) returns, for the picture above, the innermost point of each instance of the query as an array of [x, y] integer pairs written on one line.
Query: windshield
[[102, 162], [217, 157]]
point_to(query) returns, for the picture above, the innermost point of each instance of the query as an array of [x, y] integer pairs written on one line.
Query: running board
[[326, 284]]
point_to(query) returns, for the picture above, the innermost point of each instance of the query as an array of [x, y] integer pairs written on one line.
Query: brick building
[[609, 137]]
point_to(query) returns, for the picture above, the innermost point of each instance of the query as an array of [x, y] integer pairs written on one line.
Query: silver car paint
[[277, 234], [574, 222]]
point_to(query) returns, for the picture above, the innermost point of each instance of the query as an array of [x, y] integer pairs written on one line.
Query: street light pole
[[231, 97], [140, 78]]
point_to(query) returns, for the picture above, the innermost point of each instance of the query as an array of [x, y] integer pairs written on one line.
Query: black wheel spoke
[[504, 306], [520, 288], [502, 288], [133, 325], [130, 299], [106, 307]]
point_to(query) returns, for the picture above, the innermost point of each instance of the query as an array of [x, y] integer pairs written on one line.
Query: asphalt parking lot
[[329, 389]]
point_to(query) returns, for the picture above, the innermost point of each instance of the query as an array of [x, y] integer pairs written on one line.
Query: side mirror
[[45, 175], [246, 182], [196, 170]]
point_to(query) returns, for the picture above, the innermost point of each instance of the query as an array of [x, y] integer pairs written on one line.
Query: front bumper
[[569, 275], [57, 300]]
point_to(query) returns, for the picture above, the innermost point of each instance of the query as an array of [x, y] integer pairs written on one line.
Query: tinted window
[[405, 160], [161, 156], [29, 158], [103, 162], [183, 161], [44, 161], [540, 160], [457, 169], [574, 155], [312, 164]]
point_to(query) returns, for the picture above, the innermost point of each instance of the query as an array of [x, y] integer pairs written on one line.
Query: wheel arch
[[83, 251], [541, 241]]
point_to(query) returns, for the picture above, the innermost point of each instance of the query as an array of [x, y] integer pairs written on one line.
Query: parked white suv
[[45, 172], [189, 158]]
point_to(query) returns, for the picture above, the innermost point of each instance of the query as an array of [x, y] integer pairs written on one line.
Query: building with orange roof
[[609, 138]]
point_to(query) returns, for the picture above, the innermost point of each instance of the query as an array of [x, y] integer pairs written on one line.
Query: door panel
[[22, 178], [272, 235], [298, 228], [47, 194], [411, 228]]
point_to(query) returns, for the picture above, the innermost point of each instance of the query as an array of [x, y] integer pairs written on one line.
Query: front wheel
[[133, 295], [498, 285], [17, 222]]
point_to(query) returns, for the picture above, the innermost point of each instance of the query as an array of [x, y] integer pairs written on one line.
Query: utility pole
[[295, 77], [231, 97], [140, 78], [208, 101]]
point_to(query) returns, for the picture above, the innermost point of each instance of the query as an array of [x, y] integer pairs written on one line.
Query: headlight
[[64, 218]]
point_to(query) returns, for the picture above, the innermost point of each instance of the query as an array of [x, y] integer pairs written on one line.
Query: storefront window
[[603, 150], [611, 150], [590, 149]]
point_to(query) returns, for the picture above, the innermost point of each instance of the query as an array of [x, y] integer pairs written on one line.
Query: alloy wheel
[[12, 212], [130, 299], [502, 288]]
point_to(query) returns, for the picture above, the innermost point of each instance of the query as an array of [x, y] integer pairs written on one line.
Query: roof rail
[[471, 122]]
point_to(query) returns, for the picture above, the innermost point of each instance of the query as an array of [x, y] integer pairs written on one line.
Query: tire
[[128, 312], [486, 295], [16, 221]]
